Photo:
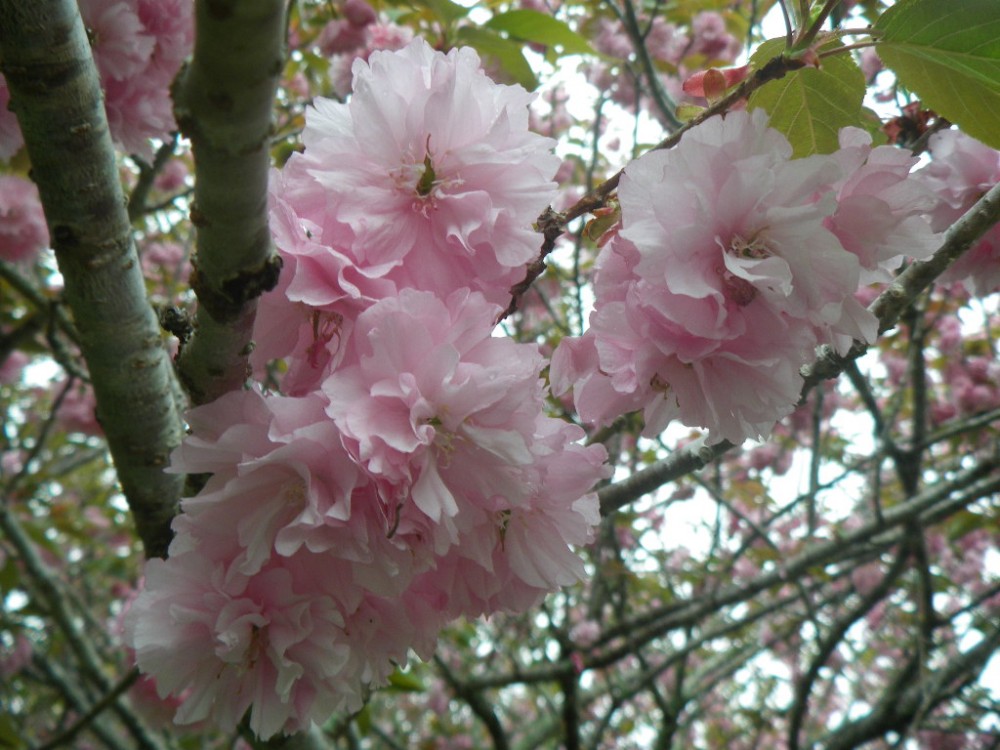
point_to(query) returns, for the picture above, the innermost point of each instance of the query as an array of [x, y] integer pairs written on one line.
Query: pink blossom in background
[[721, 284], [340, 37], [585, 633], [709, 37], [432, 163], [122, 48], [12, 365], [23, 232], [867, 577], [880, 214], [139, 46], [173, 177], [138, 109], [11, 139], [78, 410], [165, 263], [359, 13], [358, 43], [612, 39], [665, 41], [961, 170], [870, 63], [16, 657], [171, 23]]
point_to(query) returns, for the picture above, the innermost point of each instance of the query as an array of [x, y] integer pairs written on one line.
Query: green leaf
[[948, 53], [871, 122], [406, 682], [811, 105], [532, 26], [444, 10], [9, 734], [508, 55]]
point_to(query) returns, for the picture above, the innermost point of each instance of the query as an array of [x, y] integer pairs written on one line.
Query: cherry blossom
[[358, 43], [880, 214], [342, 528], [431, 162], [711, 39], [723, 280], [961, 170], [435, 409], [139, 46], [23, 232], [273, 641]]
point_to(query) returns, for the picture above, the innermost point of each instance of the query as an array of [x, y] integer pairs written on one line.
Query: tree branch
[[479, 705], [891, 303], [55, 93], [930, 506], [223, 103], [674, 466], [898, 708], [888, 307]]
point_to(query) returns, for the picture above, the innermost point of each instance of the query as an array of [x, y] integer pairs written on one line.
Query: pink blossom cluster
[[703, 43], [732, 263], [408, 475], [427, 179], [961, 170], [354, 36], [138, 46], [23, 231]]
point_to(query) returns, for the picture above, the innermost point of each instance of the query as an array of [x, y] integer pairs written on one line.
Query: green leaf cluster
[[948, 54]]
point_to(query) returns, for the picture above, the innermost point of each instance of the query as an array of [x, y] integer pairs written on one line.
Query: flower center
[[421, 180], [737, 289], [295, 493], [444, 441], [325, 327], [755, 247], [428, 179]]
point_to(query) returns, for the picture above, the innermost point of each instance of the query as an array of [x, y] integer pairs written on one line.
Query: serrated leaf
[[948, 54], [509, 55], [532, 26], [810, 106]]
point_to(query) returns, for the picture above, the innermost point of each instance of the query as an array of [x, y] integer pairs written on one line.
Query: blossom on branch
[[427, 179], [722, 281], [961, 170], [880, 214], [433, 170], [409, 474], [138, 46]]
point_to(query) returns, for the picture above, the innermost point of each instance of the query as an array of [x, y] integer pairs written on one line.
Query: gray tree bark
[[55, 93], [223, 103]]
